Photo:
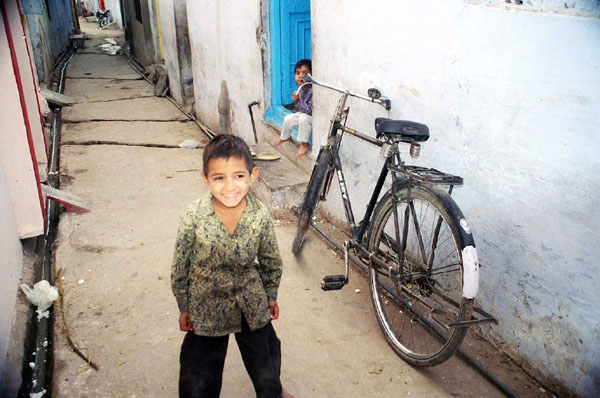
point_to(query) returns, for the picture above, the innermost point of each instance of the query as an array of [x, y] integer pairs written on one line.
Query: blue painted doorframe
[[290, 42]]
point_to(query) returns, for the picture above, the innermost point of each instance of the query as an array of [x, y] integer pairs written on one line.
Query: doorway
[[290, 41]]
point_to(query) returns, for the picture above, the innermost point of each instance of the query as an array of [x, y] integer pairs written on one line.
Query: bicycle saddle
[[405, 130]]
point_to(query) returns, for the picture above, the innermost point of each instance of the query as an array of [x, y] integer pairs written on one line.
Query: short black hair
[[303, 62], [226, 146]]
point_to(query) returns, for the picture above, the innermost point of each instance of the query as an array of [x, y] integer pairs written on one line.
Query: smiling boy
[[219, 287]]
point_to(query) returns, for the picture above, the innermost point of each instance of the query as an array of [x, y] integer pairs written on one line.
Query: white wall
[[10, 268], [513, 103], [167, 21], [15, 158], [91, 5], [223, 39], [30, 88], [115, 9]]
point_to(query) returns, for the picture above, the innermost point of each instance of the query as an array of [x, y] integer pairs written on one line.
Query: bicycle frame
[[392, 163], [333, 147]]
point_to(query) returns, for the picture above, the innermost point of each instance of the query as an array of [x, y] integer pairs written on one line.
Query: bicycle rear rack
[[427, 175]]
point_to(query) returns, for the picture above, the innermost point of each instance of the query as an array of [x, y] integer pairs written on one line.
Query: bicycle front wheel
[[311, 197], [418, 295]]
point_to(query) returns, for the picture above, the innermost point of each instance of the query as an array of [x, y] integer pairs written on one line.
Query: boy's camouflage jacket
[[214, 274]]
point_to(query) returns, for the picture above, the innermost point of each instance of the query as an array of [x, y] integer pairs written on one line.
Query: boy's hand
[[274, 308], [295, 97], [185, 322]]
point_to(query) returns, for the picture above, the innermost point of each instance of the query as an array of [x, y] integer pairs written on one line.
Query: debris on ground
[[375, 368], [111, 47], [42, 295], [189, 144], [61, 307]]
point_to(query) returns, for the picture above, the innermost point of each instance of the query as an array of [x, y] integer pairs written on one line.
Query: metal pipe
[[250, 105], [472, 361], [42, 372]]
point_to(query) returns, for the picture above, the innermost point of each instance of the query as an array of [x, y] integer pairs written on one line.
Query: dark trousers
[[202, 359]]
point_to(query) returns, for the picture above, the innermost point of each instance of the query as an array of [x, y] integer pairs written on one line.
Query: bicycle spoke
[[418, 231], [434, 243]]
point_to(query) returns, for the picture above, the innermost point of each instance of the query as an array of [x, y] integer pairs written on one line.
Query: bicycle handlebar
[[383, 101]]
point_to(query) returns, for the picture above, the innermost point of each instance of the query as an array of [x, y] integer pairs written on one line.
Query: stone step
[[288, 150], [280, 184]]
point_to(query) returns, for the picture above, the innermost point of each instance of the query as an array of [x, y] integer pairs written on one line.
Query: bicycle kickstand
[[336, 282]]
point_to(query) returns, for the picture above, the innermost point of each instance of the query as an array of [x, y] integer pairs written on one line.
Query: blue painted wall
[[60, 25], [48, 31]]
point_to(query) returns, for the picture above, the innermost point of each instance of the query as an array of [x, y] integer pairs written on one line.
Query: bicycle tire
[[434, 277], [311, 197]]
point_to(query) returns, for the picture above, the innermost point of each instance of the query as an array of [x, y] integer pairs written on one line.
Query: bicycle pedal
[[333, 282]]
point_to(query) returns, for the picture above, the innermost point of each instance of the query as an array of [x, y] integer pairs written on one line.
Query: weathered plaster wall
[[36, 23], [115, 10], [90, 6], [141, 47], [227, 62], [176, 42], [153, 31], [60, 24], [15, 159], [168, 29], [10, 267], [513, 103], [49, 29], [29, 85], [144, 43]]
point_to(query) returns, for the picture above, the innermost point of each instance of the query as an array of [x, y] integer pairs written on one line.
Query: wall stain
[[224, 108]]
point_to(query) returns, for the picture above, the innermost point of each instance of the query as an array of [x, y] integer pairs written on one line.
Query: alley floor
[[116, 264]]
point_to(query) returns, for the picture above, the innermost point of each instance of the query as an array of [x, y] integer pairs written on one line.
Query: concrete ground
[[116, 263]]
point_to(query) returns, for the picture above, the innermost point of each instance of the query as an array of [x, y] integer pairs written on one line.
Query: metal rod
[[250, 105], [362, 136], [472, 361]]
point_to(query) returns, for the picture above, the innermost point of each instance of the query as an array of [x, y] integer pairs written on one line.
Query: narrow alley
[[119, 150]]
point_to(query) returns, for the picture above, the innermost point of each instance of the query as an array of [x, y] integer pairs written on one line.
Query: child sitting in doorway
[[303, 118]]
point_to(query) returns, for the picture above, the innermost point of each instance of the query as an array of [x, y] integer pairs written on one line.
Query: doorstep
[[280, 184]]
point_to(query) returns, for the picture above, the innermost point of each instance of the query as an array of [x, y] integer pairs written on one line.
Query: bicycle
[[421, 257]]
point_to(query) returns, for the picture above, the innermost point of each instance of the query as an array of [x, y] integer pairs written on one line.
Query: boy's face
[[229, 180], [300, 73]]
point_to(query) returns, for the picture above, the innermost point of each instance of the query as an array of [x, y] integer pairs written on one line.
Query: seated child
[[219, 287], [302, 118]]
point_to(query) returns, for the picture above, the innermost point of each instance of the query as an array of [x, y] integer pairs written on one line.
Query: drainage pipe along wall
[[37, 374]]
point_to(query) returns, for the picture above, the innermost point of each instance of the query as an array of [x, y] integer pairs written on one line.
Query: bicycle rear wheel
[[418, 297], [311, 197]]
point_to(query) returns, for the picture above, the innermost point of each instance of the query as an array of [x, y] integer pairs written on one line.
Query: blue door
[[290, 42], [295, 42]]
